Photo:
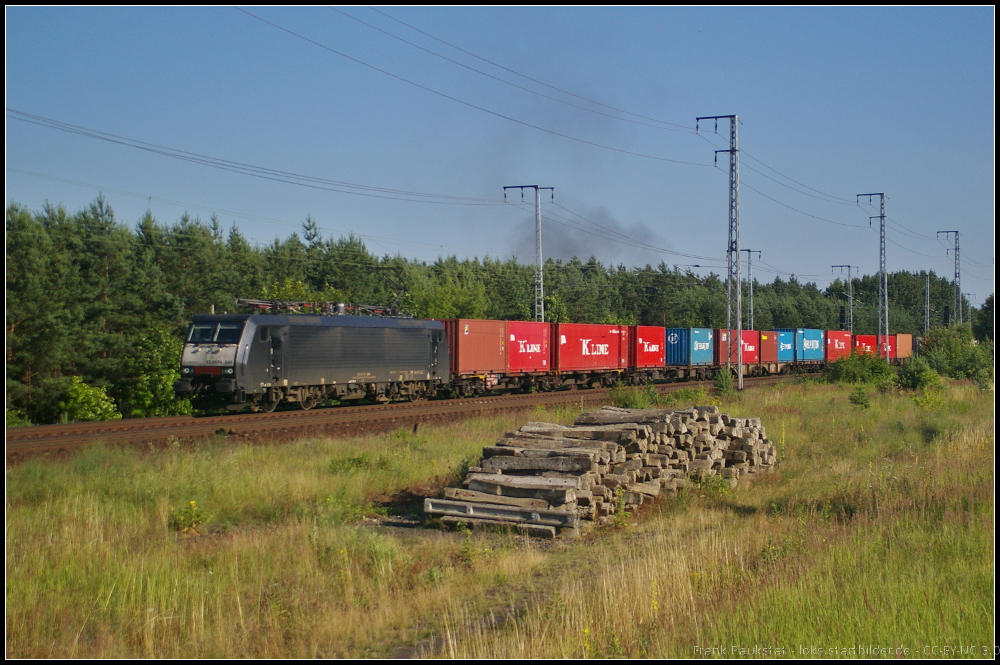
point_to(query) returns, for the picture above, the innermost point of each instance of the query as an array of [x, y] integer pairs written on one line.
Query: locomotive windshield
[[215, 333]]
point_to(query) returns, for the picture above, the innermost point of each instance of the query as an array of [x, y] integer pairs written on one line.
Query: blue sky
[[833, 102]]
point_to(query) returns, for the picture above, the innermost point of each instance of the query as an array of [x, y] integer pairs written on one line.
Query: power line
[[514, 85], [196, 206], [825, 200], [265, 173], [638, 243], [930, 256], [463, 102], [614, 236], [801, 212], [525, 76], [831, 198]]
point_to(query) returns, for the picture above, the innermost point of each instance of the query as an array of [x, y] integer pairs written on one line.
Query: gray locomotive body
[[258, 361]]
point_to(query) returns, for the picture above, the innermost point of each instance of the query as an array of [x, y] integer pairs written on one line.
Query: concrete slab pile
[[546, 479]]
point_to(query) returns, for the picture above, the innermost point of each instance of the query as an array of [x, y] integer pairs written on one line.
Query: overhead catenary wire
[[514, 85], [468, 104], [529, 78], [801, 212], [276, 175], [608, 234], [238, 214]]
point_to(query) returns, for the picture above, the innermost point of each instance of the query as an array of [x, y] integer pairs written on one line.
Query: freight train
[[258, 361]]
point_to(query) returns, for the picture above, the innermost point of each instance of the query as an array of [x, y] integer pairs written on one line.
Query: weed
[[188, 519], [714, 485], [627, 397], [691, 395], [355, 463], [929, 399], [621, 515], [724, 383]]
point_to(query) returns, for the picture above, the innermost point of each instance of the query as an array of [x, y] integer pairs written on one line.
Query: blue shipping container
[[786, 346], [689, 346], [702, 346], [809, 345], [678, 347]]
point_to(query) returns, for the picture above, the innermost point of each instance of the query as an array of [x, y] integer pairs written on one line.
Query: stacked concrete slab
[[546, 479]]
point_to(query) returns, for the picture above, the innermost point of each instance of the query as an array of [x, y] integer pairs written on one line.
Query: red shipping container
[[768, 347], [891, 345], [865, 344], [648, 346], [590, 346], [751, 347], [904, 345], [838, 344], [476, 346], [528, 346]]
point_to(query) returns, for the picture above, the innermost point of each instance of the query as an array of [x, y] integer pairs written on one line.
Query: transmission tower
[[733, 249], [883, 280], [957, 307], [539, 279]]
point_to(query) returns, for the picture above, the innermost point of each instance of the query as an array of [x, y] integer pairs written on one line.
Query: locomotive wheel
[[268, 407], [309, 402]]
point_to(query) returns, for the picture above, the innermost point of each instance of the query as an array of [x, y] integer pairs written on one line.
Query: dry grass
[[877, 532], [285, 566], [877, 529]]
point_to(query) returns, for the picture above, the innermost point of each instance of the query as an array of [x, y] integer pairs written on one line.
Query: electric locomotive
[[257, 361]]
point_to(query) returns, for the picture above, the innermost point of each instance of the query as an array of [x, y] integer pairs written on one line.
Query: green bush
[[860, 398], [88, 403], [917, 374], [859, 368], [954, 353], [16, 418]]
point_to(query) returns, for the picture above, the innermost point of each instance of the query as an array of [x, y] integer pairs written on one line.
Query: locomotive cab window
[[219, 333], [229, 333], [202, 333], [265, 333]]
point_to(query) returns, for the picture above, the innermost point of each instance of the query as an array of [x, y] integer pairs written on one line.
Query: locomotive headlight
[[187, 371], [227, 371]]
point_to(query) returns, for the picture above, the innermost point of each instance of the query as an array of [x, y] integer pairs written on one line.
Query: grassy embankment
[[875, 530]]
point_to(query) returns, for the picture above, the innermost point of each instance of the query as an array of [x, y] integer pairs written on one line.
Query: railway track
[[24, 442]]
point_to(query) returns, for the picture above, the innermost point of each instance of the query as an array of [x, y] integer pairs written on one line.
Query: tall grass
[[875, 529], [286, 565]]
